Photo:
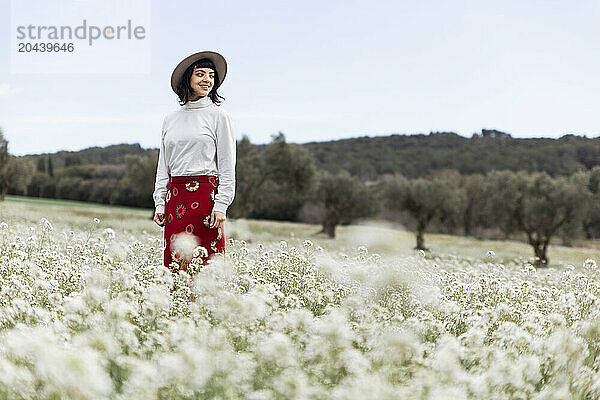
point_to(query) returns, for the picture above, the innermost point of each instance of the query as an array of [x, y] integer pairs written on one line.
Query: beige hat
[[216, 58]]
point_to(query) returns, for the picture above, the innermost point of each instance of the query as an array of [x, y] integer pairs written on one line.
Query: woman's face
[[202, 81]]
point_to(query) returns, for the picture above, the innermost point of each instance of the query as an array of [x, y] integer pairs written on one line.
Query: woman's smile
[[190, 198], [202, 81]]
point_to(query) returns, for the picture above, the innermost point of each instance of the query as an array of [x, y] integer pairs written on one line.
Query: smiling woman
[[195, 176], [199, 79]]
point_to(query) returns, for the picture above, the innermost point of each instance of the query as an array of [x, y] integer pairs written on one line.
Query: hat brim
[[216, 58]]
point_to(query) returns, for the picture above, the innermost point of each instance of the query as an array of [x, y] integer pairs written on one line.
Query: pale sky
[[323, 70]]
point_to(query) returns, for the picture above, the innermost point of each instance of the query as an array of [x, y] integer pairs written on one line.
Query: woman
[[195, 175]]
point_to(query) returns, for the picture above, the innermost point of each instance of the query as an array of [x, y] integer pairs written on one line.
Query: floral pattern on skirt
[[180, 210], [192, 186], [190, 215]]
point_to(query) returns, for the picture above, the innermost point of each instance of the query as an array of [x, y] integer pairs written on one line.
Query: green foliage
[[343, 199], [503, 191], [419, 155], [50, 166], [424, 199], [41, 165], [273, 183], [546, 204], [535, 204], [250, 177], [114, 154], [474, 214], [16, 172], [72, 160], [75, 170], [38, 180], [136, 187], [72, 188], [591, 224]]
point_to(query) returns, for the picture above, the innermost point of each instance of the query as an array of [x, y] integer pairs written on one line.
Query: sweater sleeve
[[162, 175], [226, 156]]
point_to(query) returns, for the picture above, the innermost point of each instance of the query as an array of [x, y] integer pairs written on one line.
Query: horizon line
[[583, 136]]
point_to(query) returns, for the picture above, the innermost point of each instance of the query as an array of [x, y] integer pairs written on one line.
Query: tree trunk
[[4, 190], [420, 238], [540, 252], [330, 220], [467, 223], [540, 248]]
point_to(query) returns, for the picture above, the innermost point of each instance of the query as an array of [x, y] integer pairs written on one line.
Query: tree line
[[419, 155], [411, 155], [282, 181]]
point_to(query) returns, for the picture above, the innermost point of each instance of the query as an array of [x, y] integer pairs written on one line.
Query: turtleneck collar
[[200, 103]]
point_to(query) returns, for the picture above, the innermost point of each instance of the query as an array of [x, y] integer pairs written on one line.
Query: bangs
[[184, 90], [204, 63]]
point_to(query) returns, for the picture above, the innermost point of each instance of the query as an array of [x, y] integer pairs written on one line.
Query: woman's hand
[[159, 218], [217, 219]]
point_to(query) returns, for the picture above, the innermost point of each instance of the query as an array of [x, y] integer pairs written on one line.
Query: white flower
[[96, 220], [46, 224], [277, 348], [362, 251], [491, 253], [3, 225], [108, 233], [199, 251], [529, 269], [590, 264], [185, 243]]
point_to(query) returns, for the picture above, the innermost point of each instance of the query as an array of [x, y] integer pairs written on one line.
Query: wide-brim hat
[[216, 58]]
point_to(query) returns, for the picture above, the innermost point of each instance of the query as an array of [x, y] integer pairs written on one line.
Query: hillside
[[412, 155], [416, 155]]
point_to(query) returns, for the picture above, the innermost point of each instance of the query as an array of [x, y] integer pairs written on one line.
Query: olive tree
[[546, 204], [592, 222], [422, 198], [474, 214], [15, 172], [342, 198], [503, 192], [272, 181]]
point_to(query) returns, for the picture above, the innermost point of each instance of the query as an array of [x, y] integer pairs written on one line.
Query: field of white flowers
[[86, 312]]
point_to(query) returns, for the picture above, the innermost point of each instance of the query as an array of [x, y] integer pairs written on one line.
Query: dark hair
[[184, 90]]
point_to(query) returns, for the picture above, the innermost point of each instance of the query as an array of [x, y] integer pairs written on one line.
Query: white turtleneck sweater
[[197, 139]]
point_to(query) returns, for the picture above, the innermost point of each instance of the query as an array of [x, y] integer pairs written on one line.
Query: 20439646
[[45, 47]]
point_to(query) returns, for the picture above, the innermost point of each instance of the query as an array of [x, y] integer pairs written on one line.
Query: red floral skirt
[[188, 205]]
